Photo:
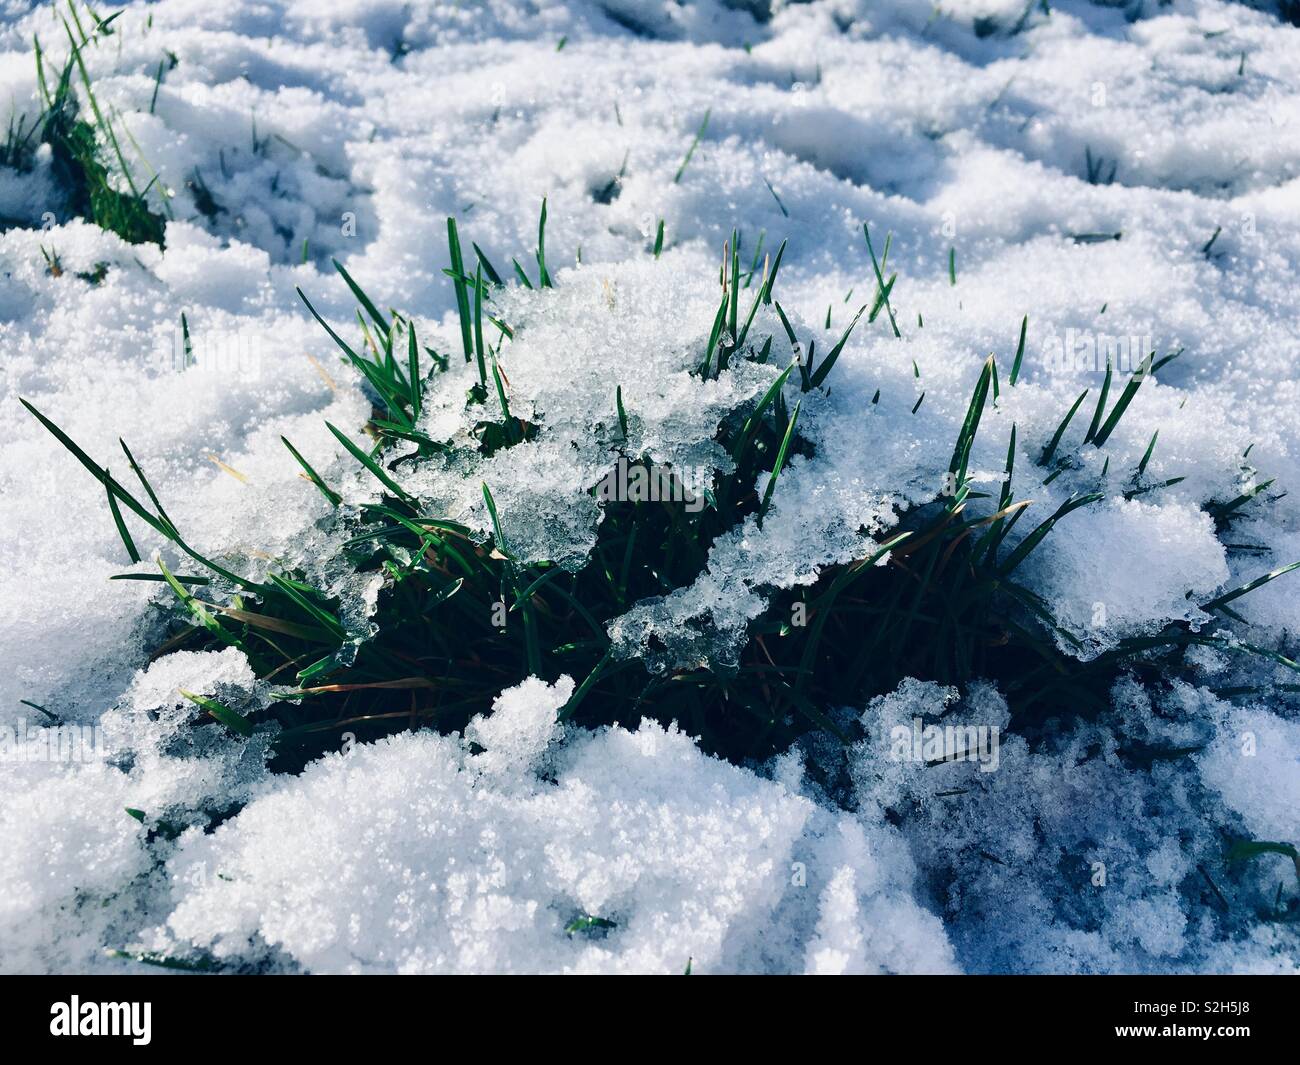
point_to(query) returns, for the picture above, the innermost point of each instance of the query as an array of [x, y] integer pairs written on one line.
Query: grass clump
[[83, 150], [462, 617]]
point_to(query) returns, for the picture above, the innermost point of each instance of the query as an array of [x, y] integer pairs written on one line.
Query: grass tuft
[[76, 150], [461, 617]]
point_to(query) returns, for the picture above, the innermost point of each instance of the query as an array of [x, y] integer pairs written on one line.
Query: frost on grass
[[600, 330]]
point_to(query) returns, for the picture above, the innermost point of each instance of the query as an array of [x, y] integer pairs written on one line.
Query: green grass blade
[[375, 316], [1126, 397], [543, 275], [502, 545], [122, 530], [324, 618], [233, 721], [413, 369], [1020, 352], [690, 152], [1036, 537], [882, 289], [1095, 424], [779, 464], [1055, 442], [488, 269], [1218, 602], [315, 478], [462, 289], [819, 375], [369, 463]]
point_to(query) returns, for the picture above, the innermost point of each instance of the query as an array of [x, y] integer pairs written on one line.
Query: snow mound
[[399, 856]]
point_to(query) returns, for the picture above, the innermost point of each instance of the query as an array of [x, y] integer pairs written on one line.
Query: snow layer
[[411, 855], [357, 128]]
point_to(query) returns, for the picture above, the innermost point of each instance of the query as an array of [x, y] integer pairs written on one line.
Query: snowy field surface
[[1127, 176]]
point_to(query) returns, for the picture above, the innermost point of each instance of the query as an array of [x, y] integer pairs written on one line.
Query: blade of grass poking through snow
[[502, 546], [781, 205], [1222, 510], [733, 301], [779, 464], [233, 721], [819, 375], [952, 266], [519, 273], [1036, 537], [622, 414], [381, 382], [501, 389], [1095, 424], [370, 464], [50, 714], [1165, 360], [1020, 352], [691, 150], [478, 328], [1219, 602], [575, 700], [789, 329], [718, 320], [543, 275], [998, 524], [1146, 455], [659, 238], [324, 618], [1055, 442], [413, 369], [488, 269], [122, 530], [462, 288], [315, 478], [160, 523], [1126, 397], [755, 420], [203, 618], [881, 295], [957, 465], [882, 289], [1004, 497], [375, 316]]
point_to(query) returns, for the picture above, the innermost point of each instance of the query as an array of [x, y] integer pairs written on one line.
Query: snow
[[357, 128], [409, 855]]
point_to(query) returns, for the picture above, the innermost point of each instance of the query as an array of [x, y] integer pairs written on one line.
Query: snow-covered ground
[[990, 130]]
